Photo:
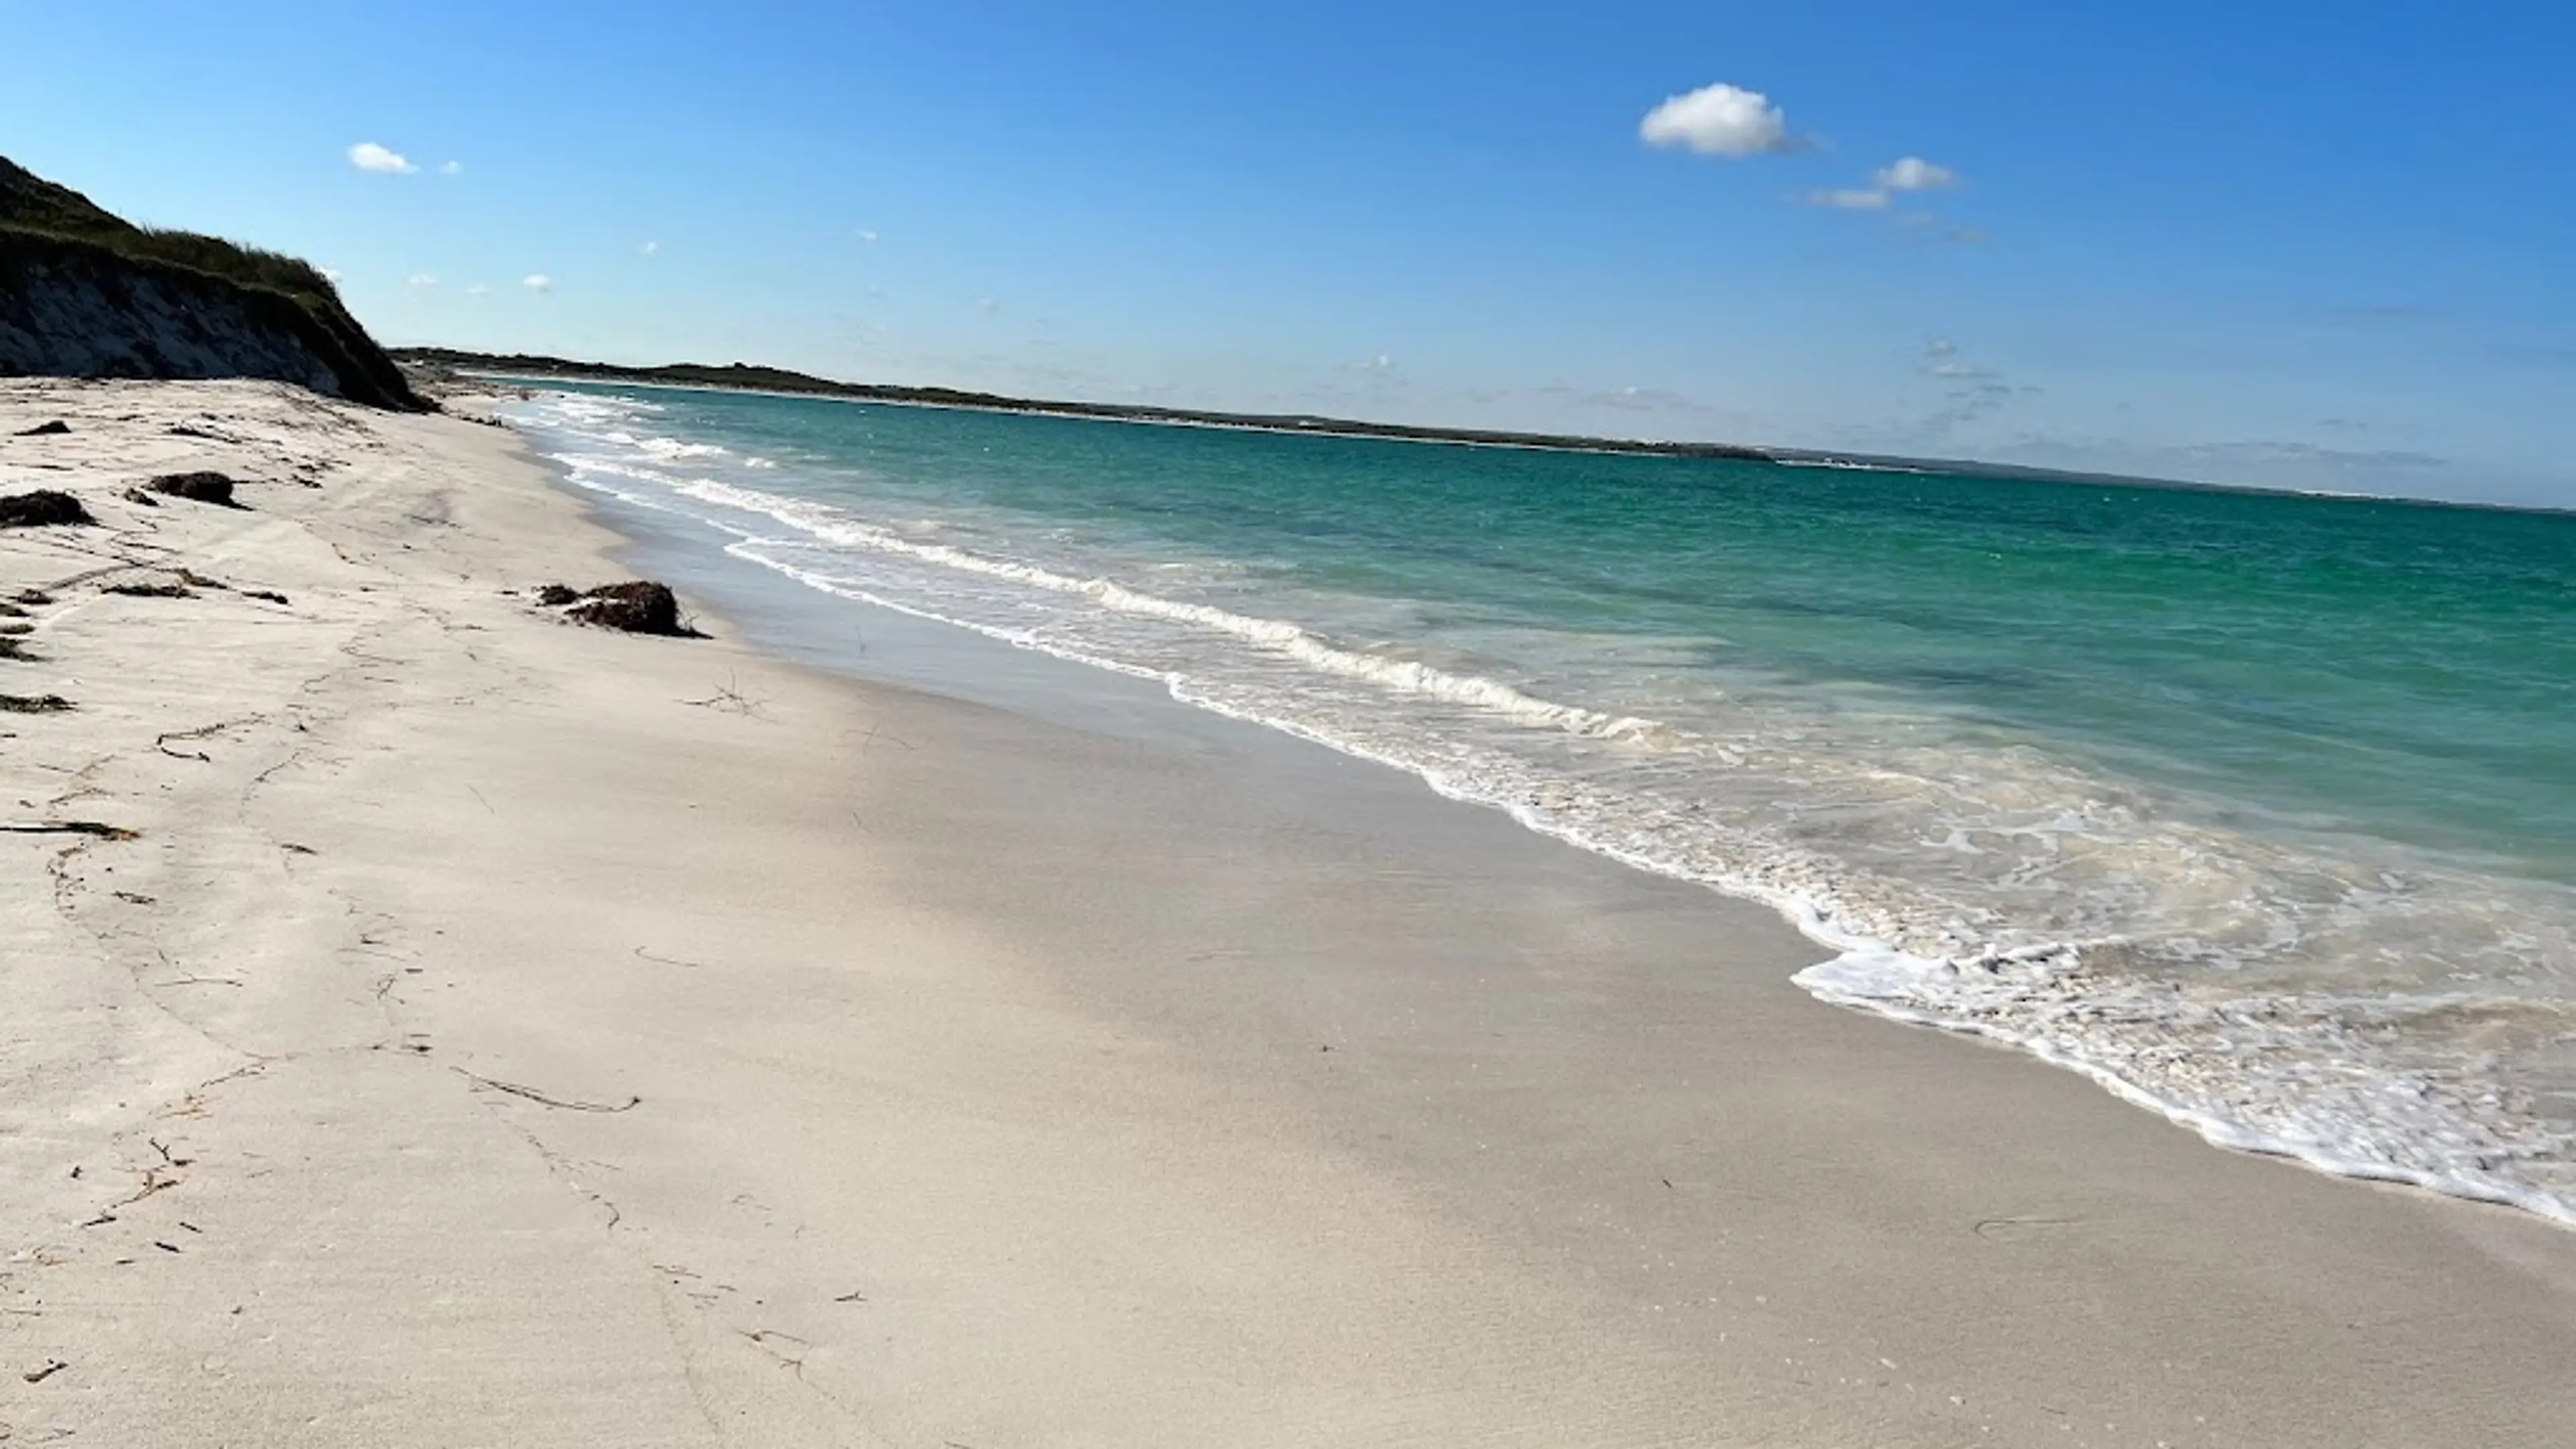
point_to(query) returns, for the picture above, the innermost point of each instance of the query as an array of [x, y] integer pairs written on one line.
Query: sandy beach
[[433, 1023]]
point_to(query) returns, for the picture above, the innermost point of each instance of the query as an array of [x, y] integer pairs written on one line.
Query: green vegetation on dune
[[46, 227], [30, 201]]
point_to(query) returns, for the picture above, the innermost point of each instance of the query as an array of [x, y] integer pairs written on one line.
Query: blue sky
[[2293, 244]]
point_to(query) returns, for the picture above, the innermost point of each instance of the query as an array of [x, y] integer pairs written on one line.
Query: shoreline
[[1866, 972], [532, 1034]]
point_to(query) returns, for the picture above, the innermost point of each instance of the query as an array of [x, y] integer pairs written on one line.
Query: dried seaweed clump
[[639, 607], [43, 508], [207, 487]]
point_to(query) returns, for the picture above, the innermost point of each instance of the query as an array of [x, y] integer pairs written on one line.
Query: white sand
[[995, 1082]]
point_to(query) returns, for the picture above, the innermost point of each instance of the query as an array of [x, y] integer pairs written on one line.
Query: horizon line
[[714, 377]]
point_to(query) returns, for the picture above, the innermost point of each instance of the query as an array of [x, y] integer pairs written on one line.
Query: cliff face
[[85, 294], [81, 312]]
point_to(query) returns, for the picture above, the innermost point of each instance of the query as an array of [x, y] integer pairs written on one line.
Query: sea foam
[[2010, 911]]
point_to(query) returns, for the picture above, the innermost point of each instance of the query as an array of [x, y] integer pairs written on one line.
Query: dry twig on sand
[[533, 1095], [91, 828], [729, 700]]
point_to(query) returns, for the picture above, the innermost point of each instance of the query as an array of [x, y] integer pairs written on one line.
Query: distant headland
[[430, 365], [749, 378]]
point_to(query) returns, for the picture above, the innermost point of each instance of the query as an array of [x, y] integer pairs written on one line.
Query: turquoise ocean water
[[2259, 809]]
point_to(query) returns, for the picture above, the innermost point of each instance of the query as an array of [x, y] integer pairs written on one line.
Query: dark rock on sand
[[42, 508], [197, 487], [56, 428]]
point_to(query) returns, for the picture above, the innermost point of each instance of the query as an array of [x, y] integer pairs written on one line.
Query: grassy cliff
[[84, 292]]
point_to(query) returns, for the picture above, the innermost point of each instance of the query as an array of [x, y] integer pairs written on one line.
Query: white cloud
[[649, 248], [368, 156], [1718, 120], [1941, 359], [1633, 398], [1916, 174], [451, 168], [1857, 198], [1379, 363], [537, 282], [868, 236], [1971, 392], [423, 279], [477, 290], [330, 274]]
